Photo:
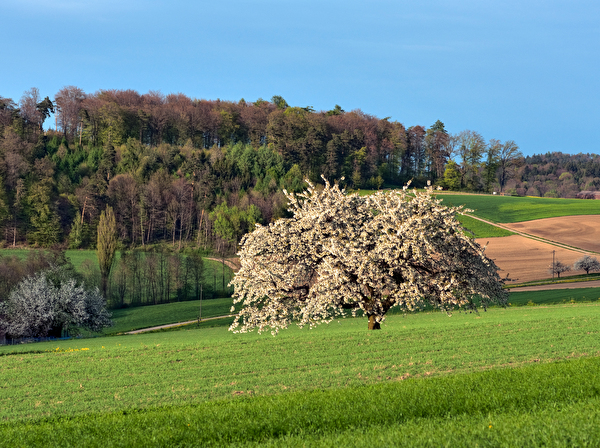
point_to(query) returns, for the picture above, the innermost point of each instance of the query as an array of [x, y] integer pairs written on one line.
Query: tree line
[[183, 171], [556, 175]]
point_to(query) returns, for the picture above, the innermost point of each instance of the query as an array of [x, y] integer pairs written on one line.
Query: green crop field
[[514, 376], [480, 229], [555, 296], [477, 228], [506, 209], [539, 405]]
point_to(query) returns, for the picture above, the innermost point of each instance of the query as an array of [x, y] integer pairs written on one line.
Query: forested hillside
[[182, 170], [557, 175]]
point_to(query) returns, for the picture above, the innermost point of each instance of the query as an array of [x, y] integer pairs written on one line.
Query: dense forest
[[200, 172]]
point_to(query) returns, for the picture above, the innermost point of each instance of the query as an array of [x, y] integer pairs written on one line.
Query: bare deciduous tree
[[508, 159], [69, 102], [29, 110]]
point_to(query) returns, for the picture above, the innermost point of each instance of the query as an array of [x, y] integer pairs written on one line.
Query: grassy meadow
[[127, 319], [507, 209], [476, 228], [554, 296], [526, 375], [538, 405], [479, 229], [425, 376], [80, 257]]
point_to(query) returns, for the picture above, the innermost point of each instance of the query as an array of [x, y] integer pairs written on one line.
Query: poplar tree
[[107, 244]]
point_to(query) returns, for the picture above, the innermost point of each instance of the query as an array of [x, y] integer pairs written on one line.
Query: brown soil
[[523, 259], [576, 231]]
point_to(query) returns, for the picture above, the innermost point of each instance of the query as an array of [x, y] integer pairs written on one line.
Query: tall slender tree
[[436, 141], [107, 244]]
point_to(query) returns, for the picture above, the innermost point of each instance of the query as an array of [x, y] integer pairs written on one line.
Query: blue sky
[[512, 70]]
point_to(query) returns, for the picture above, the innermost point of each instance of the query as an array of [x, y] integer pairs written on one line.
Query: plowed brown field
[[576, 231], [524, 259]]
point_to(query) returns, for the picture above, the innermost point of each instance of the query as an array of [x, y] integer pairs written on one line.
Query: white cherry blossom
[[344, 252]]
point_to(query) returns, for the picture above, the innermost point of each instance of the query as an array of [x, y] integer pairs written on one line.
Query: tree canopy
[[343, 251], [166, 163], [107, 244]]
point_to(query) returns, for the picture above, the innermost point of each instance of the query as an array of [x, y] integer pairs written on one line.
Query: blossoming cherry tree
[[342, 252]]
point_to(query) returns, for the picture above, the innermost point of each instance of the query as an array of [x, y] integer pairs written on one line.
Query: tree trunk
[[373, 324], [104, 284]]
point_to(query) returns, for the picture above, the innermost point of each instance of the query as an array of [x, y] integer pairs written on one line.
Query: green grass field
[[526, 375], [128, 319], [506, 209], [538, 405], [150, 316], [213, 274], [428, 375], [79, 257], [480, 229], [477, 228]]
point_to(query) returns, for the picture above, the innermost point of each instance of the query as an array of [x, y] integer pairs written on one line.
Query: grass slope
[[477, 228], [480, 229], [198, 365], [554, 296], [149, 316], [79, 257], [215, 275], [506, 209], [128, 319], [536, 405]]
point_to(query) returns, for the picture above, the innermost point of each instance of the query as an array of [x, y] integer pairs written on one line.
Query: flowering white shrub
[[342, 251], [587, 264], [30, 308], [37, 306]]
